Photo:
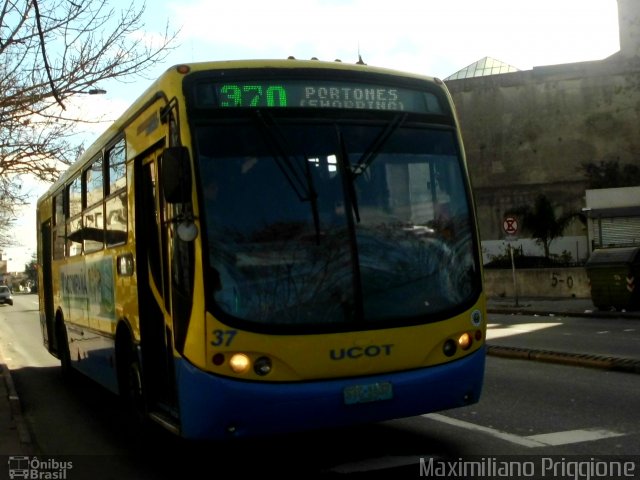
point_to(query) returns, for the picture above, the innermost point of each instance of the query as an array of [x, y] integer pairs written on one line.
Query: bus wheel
[[130, 384], [136, 398], [66, 370]]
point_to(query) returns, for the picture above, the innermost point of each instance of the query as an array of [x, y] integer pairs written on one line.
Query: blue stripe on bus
[[219, 407]]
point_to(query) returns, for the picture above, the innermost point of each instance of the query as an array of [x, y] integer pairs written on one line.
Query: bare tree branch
[[87, 43], [44, 55]]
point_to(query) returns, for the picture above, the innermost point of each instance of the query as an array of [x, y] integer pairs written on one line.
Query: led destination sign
[[316, 94]]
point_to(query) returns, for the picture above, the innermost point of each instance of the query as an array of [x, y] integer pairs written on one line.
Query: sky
[[429, 37]]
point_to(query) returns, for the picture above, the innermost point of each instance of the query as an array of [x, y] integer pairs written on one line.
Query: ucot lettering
[[358, 352]]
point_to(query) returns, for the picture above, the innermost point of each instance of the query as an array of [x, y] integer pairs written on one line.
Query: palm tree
[[542, 223]]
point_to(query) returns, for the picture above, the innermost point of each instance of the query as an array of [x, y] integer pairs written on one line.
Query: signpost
[[510, 227]]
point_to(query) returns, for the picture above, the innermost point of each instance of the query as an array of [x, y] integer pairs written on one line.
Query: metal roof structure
[[484, 66]]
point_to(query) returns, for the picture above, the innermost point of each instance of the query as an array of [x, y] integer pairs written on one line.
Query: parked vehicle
[[5, 295]]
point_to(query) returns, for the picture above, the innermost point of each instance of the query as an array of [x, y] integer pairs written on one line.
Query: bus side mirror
[[176, 175]]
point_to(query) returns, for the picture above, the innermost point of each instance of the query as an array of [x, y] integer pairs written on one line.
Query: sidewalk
[[574, 307], [15, 438]]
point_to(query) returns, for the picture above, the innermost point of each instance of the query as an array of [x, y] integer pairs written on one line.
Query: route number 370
[[232, 95], [223, 337]]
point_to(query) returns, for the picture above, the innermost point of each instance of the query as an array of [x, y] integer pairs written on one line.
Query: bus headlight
[[239, 363], [464, 341]]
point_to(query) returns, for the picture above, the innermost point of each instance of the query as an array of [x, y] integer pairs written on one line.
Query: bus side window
[[58, 231], [117, 167], [74, 217], [116, 210], [116, 219], [93, 218]]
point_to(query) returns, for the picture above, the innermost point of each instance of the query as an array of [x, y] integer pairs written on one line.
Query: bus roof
[[294, 63], [156, 91]]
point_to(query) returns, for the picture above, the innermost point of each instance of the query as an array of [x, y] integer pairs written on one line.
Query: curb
[[15, 408], [602, 362], [547, 313]]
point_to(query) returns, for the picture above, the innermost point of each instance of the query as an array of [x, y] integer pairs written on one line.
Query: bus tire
[[66, 370], [130, 379]]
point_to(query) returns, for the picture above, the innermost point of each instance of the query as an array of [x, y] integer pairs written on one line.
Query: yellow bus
[[268, 246]]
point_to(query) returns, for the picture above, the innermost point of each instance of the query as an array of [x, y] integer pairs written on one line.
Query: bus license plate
[[371, 392]]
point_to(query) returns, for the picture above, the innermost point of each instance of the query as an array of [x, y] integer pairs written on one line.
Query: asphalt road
[[616, 337], [527, 408]]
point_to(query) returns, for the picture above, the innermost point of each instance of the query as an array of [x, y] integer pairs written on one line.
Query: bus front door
[[158, 375], [46, 288]]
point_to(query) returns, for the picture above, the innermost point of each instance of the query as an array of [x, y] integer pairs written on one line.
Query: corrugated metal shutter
[[617, 231]]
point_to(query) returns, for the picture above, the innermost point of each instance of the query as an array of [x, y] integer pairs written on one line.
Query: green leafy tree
[[611, 175], [542, 223], [31, 270]]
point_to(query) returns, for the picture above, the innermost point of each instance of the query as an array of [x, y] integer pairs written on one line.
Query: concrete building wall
[[629, 22], [605, 198], [538, 283], [529, 132]]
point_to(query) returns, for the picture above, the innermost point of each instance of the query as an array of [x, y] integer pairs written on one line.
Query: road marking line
[[509, 437], [574, 436], [532, 441], [378, 463], [519, 329]]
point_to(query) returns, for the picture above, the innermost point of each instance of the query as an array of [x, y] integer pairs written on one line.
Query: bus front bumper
[[214, 407]]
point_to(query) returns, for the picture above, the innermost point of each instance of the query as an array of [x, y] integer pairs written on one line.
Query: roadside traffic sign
[[510, 225]]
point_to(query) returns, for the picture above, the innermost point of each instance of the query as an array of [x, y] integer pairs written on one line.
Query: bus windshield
[[314, 222]]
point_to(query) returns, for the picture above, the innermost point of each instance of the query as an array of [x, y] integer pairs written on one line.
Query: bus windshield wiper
[[372, 152], [351, 205], [301, 182], [348, 176]]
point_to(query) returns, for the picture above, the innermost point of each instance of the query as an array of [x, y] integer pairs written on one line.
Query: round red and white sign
[[510, 225]]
